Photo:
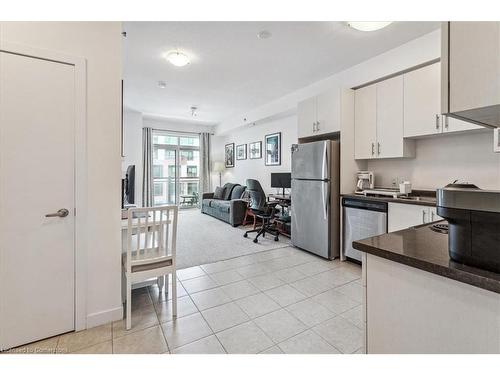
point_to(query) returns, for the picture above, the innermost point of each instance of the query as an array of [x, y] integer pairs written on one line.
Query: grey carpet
[[203, 239]]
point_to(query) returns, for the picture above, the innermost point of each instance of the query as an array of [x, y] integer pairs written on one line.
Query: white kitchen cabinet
[[433, 216], [306, 117], [402, 216], [378, 121], [319, 114], [422, 101], [390, 142], [455, 125], [470, 83], [328, 112], [365, 122]]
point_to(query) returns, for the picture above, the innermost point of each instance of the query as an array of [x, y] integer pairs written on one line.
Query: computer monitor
[[281, 180]]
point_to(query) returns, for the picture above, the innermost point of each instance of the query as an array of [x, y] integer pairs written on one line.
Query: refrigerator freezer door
[[310, 161], [311, 216]]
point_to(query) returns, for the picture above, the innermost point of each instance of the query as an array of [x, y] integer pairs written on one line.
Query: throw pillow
[[219, 192]]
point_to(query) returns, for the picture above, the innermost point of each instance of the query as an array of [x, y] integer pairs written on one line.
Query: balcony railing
[[164, 191]]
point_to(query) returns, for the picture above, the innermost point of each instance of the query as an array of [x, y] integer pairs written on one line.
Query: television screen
[[281, 180], [128, 186]]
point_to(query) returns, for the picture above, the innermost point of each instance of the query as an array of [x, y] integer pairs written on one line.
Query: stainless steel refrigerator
[[315, 197]]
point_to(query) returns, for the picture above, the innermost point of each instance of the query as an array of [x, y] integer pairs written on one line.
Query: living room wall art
[[255, 150], [241, 152], [229, 155], [273, 149]]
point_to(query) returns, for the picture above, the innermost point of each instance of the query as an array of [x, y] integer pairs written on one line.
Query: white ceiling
[[232, 70]]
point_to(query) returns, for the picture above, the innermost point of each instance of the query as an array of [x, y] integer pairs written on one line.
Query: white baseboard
[[103, 317]]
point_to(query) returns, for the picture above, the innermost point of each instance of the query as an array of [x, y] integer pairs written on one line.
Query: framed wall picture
[[255, 150], [229, 155], [241, 152], [272, 149]]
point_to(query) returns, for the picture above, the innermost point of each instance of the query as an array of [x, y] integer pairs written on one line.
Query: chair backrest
[[151, 234], [257, 195]]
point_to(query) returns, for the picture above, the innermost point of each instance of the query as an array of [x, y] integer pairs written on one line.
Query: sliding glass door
[[176, 169]]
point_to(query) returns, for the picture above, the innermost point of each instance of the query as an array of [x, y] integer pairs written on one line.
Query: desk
[[285, 201], [285, 198]]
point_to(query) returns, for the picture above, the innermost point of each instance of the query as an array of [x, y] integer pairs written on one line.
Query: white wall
[[100, 44], [443, 159], [256, 168]]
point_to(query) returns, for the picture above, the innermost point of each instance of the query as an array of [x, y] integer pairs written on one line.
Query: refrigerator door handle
[[325, 162], [325, 199]]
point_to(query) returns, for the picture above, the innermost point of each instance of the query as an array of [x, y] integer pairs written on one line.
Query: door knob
[[60, 213]]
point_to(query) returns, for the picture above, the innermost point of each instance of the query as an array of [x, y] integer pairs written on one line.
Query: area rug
[[204, 239]]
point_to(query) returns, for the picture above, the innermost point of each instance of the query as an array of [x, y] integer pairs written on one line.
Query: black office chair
[[263, 210]]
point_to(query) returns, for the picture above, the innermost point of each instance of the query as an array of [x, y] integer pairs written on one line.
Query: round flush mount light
[[162, 84], [264, 34], [177, 58], [368, 25]]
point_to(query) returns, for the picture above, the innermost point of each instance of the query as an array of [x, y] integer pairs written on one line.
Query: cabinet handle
[[314, 126], [373, 148], [378, 148], [317, 126], [437, 122], [446, 122], [423, 216]]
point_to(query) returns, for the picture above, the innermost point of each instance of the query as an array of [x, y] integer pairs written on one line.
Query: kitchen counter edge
[[439, 264]]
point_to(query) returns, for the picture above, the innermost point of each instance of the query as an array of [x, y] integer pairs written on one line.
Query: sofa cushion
[[223, 206], [238, 192], [219, 192], [228, 190]]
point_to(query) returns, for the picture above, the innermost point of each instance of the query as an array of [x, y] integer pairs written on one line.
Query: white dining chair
[[150, 250]]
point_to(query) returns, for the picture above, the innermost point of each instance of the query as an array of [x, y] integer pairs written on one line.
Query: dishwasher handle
[[365, 204]]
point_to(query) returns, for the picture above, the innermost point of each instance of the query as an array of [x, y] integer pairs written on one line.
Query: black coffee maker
[[473, 218]]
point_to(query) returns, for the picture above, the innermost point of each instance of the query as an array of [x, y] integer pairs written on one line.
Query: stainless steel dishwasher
[[362, 218]]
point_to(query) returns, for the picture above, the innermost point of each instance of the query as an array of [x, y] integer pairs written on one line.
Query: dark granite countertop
[[422, 248], [422, 200]]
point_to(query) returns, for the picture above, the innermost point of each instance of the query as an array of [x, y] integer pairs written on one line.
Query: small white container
[[405, 187]]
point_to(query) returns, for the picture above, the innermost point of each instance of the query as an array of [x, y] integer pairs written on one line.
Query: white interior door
[[37, 146]]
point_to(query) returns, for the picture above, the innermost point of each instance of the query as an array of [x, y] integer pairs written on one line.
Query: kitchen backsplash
[[443, 159]]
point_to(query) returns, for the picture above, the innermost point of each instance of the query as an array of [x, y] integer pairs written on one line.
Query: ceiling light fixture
[[264, 34], [177, 58], [162, 84], [368, 25]]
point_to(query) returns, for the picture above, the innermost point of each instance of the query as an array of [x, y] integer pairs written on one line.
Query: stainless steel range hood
[[470, 64]]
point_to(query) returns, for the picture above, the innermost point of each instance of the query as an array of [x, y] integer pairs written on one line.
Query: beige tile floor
[[278, 301]]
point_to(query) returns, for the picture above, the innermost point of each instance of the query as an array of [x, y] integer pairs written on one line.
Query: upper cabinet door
[[306, 117], [454, 125], [474, 69], [328, 112], [390, 118], [422, 101], [365, 122]]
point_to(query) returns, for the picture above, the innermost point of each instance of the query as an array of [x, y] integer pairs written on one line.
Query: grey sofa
[[231, 208]]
